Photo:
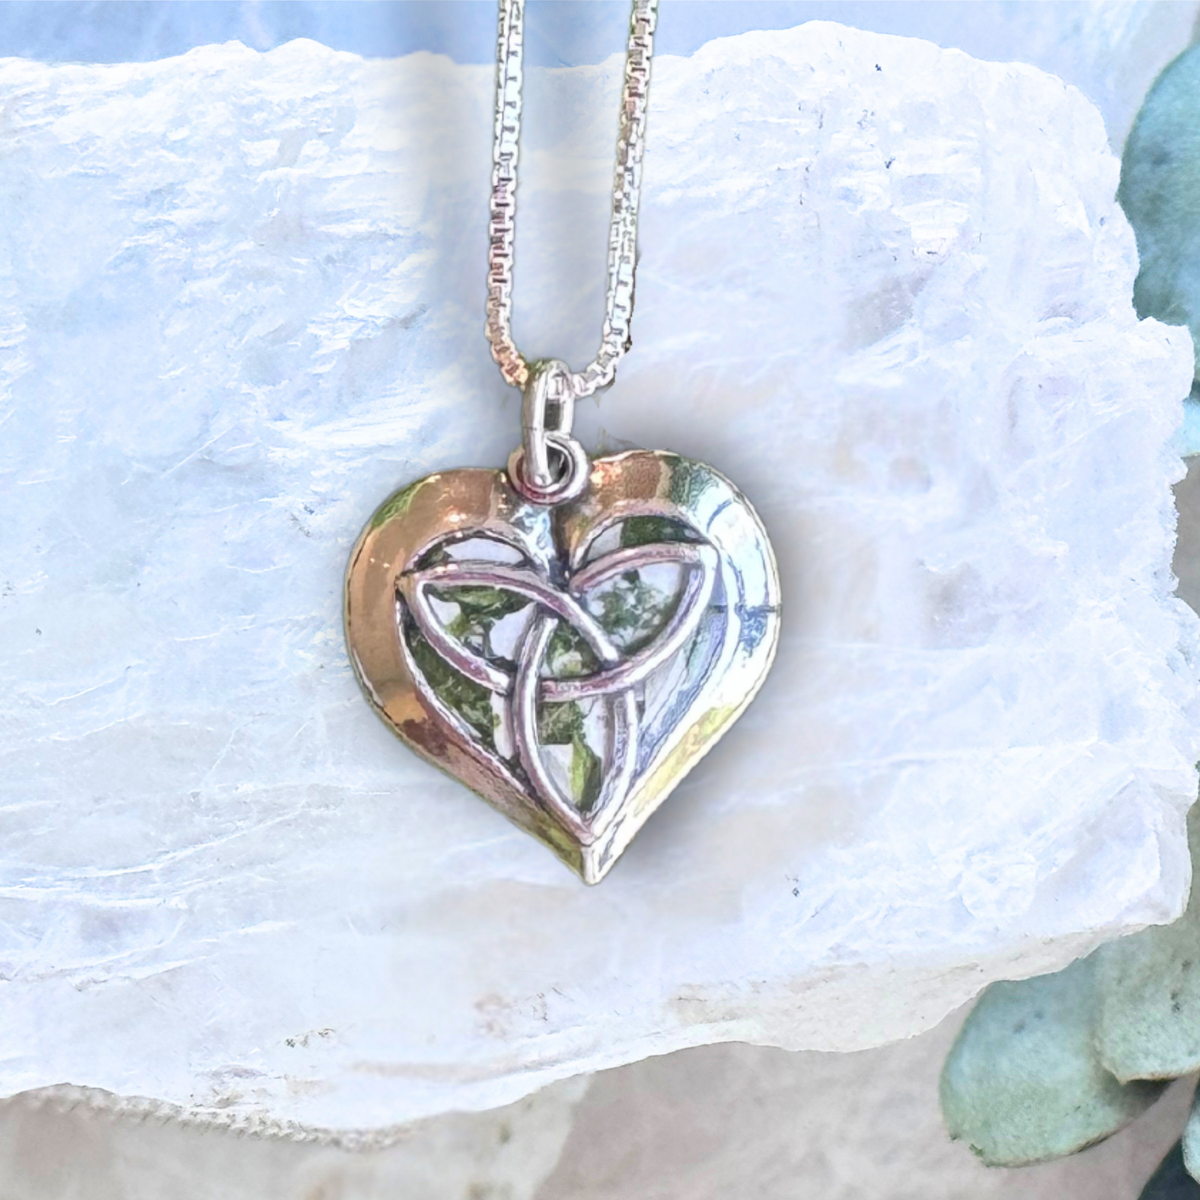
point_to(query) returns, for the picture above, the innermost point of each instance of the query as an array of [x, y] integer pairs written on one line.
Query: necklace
[[569, 636]]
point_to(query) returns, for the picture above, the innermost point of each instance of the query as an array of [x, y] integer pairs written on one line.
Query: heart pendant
[[570, 663]]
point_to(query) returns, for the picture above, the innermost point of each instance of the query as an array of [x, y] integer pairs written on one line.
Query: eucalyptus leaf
[[1191, 1140], [1148, 994], [1160, 192], [1171, 1180], [1023, 1082]]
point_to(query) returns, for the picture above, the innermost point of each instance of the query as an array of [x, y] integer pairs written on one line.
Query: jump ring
[[548, 408], [566, 485]]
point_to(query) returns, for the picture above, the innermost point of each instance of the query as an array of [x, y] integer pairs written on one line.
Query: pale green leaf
[[1148, 995], [1023, 1083]]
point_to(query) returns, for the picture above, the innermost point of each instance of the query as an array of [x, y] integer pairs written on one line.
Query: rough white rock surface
[[708, 1123], [883, 286], [61, 1142], [1111, 50]]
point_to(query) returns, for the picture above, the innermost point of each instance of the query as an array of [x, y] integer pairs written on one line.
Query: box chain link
[[547, 466]]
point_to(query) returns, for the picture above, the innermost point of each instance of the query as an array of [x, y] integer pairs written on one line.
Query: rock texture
[[1110, 49], [66, 1142], [883, 286], [1046, 1066], [702, 1124], [1147, 1021]]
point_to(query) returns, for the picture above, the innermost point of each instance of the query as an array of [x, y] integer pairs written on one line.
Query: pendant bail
[[550, 466], [548, 407]]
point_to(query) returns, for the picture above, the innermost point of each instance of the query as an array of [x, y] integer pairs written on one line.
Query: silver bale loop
[[569, 471], [548, 407], [550, 466]]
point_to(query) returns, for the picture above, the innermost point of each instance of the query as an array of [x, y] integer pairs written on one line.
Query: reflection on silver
[[525, 689], [665, 695]]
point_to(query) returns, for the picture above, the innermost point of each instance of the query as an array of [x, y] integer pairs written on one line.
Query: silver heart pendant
[[570, 663]]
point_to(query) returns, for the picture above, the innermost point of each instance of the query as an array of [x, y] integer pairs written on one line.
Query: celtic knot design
[[523, 689]]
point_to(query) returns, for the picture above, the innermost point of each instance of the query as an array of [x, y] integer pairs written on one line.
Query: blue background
[[559, 32]]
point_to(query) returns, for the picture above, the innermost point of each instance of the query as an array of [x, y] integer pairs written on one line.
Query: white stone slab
[[884, 286], [1111, 50]]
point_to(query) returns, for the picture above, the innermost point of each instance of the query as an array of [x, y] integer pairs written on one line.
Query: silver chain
[[622, 236]]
